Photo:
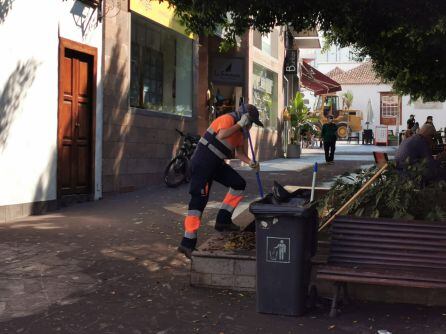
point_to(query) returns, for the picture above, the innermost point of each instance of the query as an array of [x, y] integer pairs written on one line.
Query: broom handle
[[259, 181], [355, 196]]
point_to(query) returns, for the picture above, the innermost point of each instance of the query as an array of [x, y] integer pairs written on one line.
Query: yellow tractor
[[347, 120]]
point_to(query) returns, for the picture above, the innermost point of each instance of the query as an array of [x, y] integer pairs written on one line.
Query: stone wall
[[219, 270]]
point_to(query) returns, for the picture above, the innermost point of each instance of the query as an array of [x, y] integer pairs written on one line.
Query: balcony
[[306, 39]]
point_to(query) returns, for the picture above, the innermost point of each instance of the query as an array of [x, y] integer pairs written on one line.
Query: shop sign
[[228, 70], [291, 64], [160, 13]]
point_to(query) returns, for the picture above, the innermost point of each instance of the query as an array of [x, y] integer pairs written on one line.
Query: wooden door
[[76, 121]]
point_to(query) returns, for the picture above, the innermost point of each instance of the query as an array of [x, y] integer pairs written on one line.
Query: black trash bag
[[281, 195]]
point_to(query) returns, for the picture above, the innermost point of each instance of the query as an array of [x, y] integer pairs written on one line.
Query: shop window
[[265, 95], [161, 69]]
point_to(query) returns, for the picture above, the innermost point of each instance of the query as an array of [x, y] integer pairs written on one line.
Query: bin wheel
[[312, 296]]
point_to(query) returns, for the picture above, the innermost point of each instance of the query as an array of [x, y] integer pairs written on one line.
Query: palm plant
[[348, 99], [300, 117]]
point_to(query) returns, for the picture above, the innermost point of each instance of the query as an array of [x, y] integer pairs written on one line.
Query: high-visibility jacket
[[222, 148]]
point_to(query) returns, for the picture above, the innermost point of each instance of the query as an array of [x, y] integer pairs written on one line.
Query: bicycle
[[177, 171]]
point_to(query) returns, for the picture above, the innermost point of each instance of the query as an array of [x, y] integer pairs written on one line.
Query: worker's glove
[[244, 121], [255, 166]]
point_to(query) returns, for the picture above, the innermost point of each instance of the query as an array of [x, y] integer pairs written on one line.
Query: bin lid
[[297, 206]]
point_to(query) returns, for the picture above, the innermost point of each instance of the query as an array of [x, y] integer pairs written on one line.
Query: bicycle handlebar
[[188, 136]]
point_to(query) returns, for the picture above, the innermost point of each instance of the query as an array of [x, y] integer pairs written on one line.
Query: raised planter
[[293, 151], [213, 266]]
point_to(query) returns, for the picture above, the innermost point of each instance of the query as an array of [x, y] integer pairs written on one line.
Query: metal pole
[[313, 185]]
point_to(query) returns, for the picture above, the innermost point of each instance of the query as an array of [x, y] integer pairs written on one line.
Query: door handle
[[77, 124]]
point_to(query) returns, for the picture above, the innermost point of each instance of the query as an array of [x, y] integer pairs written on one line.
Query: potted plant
[[299, 117]]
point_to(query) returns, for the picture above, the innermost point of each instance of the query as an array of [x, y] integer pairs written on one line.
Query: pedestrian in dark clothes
[[411, 122], [329, 137]]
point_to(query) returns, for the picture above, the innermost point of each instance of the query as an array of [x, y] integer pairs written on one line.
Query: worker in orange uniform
[[226, 135]]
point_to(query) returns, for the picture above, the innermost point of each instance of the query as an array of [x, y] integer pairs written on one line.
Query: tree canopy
[[405, 39]]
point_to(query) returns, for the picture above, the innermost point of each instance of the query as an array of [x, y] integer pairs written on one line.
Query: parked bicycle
[[177, 171]]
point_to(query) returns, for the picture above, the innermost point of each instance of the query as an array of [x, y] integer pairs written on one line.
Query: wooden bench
[[385, 252]]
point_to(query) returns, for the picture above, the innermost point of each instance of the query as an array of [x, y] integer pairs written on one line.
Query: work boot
[[224, 222], [187, 246]]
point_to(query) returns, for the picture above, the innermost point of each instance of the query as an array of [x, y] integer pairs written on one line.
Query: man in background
[[417, 149], [329, 138]]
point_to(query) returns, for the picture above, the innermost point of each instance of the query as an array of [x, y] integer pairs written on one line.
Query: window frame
[[386, 118], [139, 108]]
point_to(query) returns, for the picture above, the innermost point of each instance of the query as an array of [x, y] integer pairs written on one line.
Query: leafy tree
[[404, 38]]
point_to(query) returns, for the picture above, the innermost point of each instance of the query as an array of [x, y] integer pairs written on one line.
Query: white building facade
[[387, 107], [50, 104]]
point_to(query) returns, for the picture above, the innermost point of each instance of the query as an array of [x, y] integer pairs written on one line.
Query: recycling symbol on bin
[[265, 225], [278, 249]]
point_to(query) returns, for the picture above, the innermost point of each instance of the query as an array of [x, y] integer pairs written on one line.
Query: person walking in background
[[411, 122], [329, 138]]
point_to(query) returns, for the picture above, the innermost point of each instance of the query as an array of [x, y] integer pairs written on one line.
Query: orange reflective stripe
[[191, 224], [232, 200]]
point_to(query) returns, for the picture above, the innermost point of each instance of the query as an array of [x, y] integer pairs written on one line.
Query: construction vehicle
[[347, 120]]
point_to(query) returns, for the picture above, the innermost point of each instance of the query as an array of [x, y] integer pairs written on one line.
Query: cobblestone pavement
[[111, 267]]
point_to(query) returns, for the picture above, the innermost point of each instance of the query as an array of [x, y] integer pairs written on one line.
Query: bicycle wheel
[[175, 172]]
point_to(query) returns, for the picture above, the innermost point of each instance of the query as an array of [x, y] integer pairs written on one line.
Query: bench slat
[[416, 236], [390, 222], [377, 275], [382, 281], [383, 262], [342, 248], [388, 227], [380, 272], [400, 260], [383, 240], [390, 246]]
